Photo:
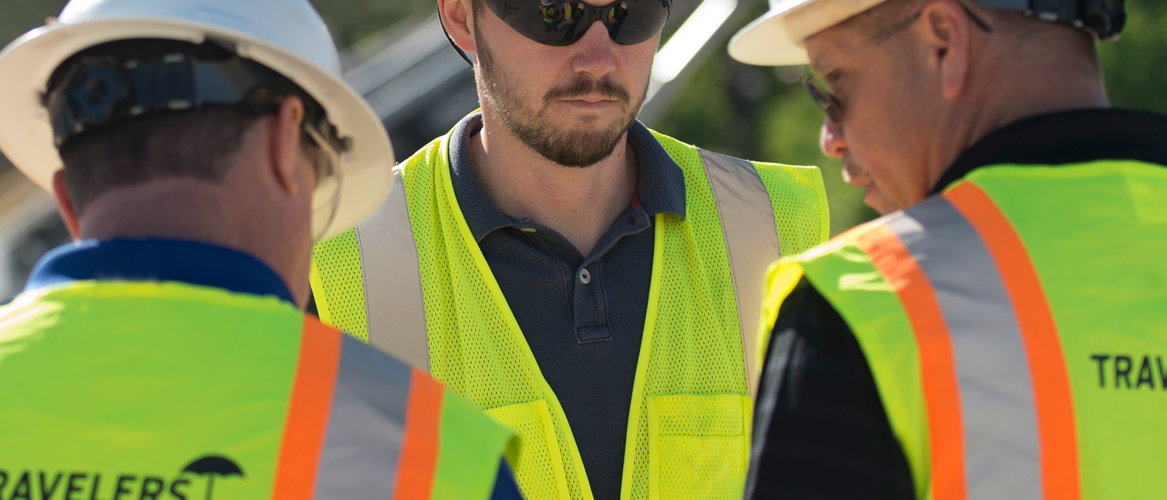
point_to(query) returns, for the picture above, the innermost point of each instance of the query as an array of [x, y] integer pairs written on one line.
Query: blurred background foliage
[[753, 112], [764, 114]]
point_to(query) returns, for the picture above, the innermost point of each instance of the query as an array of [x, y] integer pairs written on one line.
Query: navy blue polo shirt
[[187, 262], [582, 315]]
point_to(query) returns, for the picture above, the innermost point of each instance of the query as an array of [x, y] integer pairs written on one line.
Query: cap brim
[[26, 136]]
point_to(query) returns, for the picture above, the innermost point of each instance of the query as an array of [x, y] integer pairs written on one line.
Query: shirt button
[[584, 276]]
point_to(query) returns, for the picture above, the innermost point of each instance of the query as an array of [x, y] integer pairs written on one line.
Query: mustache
[[852, 168], [584, 87]]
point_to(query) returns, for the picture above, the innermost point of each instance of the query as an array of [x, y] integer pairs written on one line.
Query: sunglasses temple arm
[[452, 44]]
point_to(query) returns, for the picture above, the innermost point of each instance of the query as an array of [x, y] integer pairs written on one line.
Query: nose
[[593, 53], [831, 139]]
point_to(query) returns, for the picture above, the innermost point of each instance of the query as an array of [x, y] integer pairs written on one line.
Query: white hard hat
[[287, 36], [778, 38]]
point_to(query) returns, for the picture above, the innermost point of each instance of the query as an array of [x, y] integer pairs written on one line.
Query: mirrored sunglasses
[[560, 23]]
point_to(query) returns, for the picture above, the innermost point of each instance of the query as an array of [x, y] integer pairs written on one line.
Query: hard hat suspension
[[1103, 19], [99, 89]]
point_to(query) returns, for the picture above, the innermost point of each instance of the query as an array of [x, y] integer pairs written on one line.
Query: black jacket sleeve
[[820, 430]]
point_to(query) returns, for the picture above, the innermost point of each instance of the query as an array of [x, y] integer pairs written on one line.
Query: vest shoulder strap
[[751, 196], [744, 207], [377, 263], [392, 276]]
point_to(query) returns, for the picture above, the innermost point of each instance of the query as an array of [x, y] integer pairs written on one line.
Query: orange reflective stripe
[[419, 450], [1051, 382], [308, 411], [937, 369]]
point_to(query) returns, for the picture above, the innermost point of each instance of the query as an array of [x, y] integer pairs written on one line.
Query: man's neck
[[173, 209], [579, 203], [191, 210], [1010, 93]]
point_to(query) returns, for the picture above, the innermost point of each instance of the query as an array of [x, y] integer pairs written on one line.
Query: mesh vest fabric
[[803, 220], [1090, 236], [796, 193], [337, 284], [685, 381], [157, 385]]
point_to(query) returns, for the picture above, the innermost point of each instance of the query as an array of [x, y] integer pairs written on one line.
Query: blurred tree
[[349, 20], [762, 114], [353, 20], [20, 16], [1136, 66]]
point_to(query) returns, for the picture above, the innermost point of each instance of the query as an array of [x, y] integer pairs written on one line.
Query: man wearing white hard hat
[[1001, 333], [196, 150]]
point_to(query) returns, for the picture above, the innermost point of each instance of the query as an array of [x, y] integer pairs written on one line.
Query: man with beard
[[1001, 336], [592, 284]]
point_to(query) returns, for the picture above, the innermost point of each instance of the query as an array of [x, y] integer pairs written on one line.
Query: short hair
[[196, 143], [883, 16], [1022, 28]]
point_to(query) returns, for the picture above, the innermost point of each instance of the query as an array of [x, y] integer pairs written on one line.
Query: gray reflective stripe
[[998, 414], [366, 425], [751, 237], [394, 305]]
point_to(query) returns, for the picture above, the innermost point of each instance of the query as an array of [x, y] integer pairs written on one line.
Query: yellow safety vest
[[169, 390], [1016, 328], [688, 431]]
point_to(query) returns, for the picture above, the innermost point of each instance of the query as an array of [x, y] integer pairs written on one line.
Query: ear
[[947, 32], [65, 204], [458, 18], [284, 137]]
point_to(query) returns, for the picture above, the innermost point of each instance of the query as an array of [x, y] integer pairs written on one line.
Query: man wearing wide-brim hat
[[1000, 334]]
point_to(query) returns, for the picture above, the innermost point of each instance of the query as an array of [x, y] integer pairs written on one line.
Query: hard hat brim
[[778, 38], [26, 135], [766, 42]]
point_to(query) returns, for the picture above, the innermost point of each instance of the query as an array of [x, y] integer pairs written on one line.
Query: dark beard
[[569, 148]]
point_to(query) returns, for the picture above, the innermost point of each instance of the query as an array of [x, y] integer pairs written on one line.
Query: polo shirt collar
[[661, 186], [188, 262]]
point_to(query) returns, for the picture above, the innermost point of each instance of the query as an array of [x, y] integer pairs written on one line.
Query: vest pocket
[[698, 446], [539, 471]]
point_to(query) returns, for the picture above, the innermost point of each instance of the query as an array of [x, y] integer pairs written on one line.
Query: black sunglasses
[[560, 23]]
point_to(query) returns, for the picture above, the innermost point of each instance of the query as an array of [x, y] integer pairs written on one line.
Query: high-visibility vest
[[414, 268], [1016, 328], [117, 390]]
